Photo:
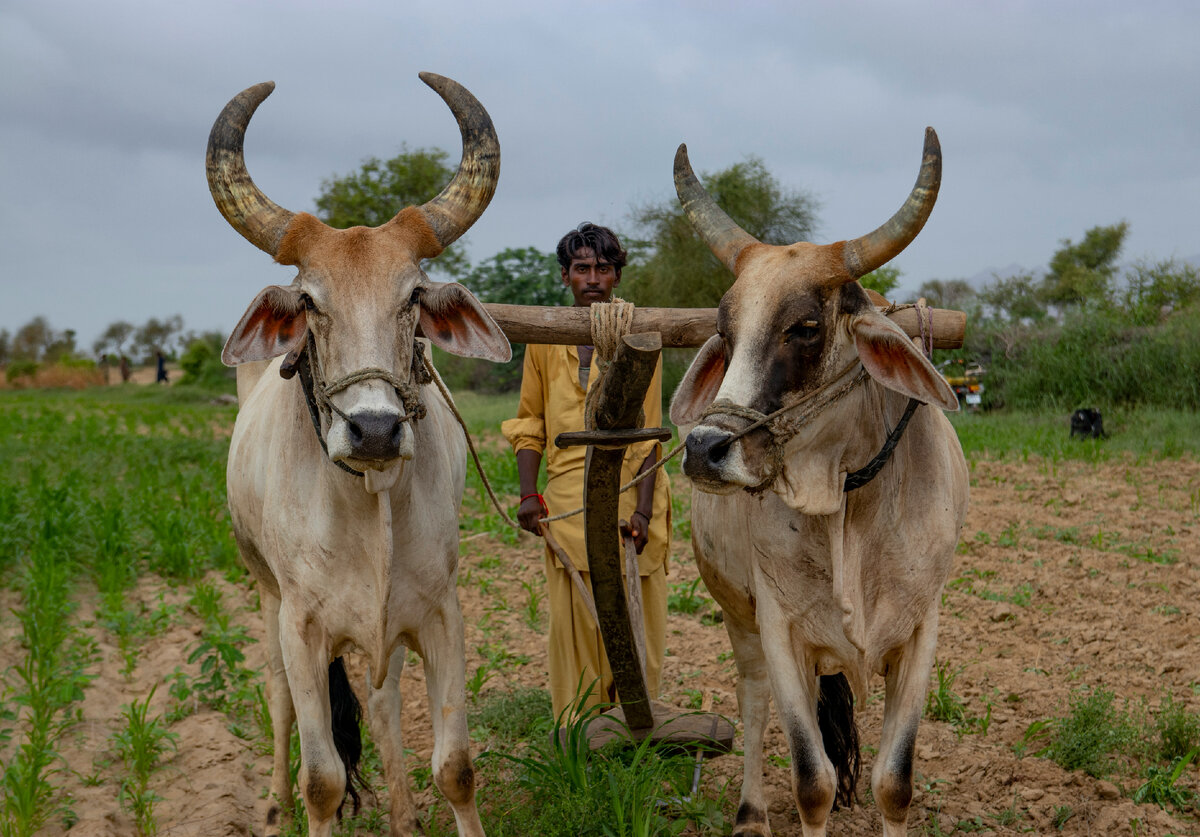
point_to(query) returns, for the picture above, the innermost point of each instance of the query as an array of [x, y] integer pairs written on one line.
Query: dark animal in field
[[1088, 423], [345, 479], [828, 570]]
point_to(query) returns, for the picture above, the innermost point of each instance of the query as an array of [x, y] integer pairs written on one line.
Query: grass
[[1098, 738], [100, 489], [1145, 434]]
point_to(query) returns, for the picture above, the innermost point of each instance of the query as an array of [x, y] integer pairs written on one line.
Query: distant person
[[161, 374], [125, 371]]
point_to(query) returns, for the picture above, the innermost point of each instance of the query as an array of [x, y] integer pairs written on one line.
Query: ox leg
[[444, 652], [794, 684], [906, 682], [279, 699], [383, 714], [754, 703], [322, 776]]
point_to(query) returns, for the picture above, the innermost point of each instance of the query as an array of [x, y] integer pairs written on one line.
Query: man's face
[[589, 282]]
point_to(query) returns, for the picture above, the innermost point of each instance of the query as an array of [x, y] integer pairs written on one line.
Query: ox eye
[[415, 299], [308, 303], [805, 331]]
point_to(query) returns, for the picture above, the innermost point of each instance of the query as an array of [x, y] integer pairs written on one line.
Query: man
[[553, 386]]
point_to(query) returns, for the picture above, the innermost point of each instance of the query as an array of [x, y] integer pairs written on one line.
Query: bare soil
[[1069, 575]]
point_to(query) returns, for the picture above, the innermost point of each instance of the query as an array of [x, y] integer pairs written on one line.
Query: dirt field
[[1069, 575]]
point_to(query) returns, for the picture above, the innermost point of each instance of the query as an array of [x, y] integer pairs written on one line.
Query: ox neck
[[859, 478]]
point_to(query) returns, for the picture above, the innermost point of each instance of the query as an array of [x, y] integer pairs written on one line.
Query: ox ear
[[699, 386], [273, 325], [889, 356], [454, 320]]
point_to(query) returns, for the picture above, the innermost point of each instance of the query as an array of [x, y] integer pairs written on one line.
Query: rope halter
[[318, 394], [781, 428]]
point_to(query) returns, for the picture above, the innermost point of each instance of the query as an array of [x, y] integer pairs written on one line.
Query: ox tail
[[839, 734], [347, 735]]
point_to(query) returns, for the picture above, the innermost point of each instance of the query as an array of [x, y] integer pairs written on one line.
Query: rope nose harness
[[317, 394], [782, 431]]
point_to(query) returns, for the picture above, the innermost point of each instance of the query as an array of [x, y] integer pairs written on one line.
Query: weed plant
[[1089, 737], [686, 599], [140, 746], [559, 786], [1097, 737]]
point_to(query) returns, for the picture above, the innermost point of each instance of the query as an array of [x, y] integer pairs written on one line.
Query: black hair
[[600, 240]]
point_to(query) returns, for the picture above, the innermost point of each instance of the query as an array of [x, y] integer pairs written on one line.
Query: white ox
[[343, 560], [822, 586]]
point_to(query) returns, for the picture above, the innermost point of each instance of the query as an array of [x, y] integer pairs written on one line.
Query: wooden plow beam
[[619, 402]]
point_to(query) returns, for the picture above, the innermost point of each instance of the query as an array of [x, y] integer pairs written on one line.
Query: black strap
[[301, 366], [867, 473]]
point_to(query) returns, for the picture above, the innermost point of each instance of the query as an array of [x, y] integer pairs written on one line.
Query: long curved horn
[[862, 255], [259, 219], [460, 204], [725, 238]]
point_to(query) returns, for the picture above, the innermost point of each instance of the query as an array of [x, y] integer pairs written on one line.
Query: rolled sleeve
[[527, 433], [528, 430]]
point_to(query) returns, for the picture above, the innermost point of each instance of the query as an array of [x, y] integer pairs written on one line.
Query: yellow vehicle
[[964, 379]]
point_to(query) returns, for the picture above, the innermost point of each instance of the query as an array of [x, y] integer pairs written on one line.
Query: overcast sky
[[1053, 116]]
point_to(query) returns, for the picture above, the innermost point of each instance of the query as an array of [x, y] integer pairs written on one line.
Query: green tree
[[518, 276], [955, 294], [380, 188], [671, 264], [5, 346], [31, 339], [61, 346], [155, 335], [515, 276], [882, 280], [1013, 299], [1083, 273], [1152, 290], [113, 339]]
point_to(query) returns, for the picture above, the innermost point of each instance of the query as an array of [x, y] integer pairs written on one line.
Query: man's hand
[[639, 527], [530, 511]]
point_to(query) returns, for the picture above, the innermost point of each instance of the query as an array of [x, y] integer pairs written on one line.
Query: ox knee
[[456, 778], [892, 784], [751, 821], [323, 784], [813, 780]]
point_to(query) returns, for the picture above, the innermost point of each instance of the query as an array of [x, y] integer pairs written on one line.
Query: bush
[[21, 369], [201, 362], [1095, 358]]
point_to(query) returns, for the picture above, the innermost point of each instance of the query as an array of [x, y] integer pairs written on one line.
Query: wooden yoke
[[679, 327]]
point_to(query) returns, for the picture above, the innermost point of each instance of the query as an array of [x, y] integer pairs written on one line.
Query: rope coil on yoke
[[611, 321]]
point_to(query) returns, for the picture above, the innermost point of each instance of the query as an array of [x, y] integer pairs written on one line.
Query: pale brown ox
[[364, 561], [821, 587]]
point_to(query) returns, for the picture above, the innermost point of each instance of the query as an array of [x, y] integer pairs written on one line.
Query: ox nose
[[375, 435], [705, 451]]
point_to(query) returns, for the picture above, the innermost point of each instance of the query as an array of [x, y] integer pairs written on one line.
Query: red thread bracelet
[[541, 501]]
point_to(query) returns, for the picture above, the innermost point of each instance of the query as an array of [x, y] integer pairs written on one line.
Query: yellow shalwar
[[552, 403]]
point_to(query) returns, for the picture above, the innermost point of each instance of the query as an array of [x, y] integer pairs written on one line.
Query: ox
[[825, 575], [345, 485]]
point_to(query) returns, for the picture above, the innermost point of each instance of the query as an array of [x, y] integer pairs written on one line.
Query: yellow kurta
[[552, 403]]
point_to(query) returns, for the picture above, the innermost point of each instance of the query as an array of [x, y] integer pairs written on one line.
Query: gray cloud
[[1053, 117]]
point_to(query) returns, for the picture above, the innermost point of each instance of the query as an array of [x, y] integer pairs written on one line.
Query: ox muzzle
[[715, 459]]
